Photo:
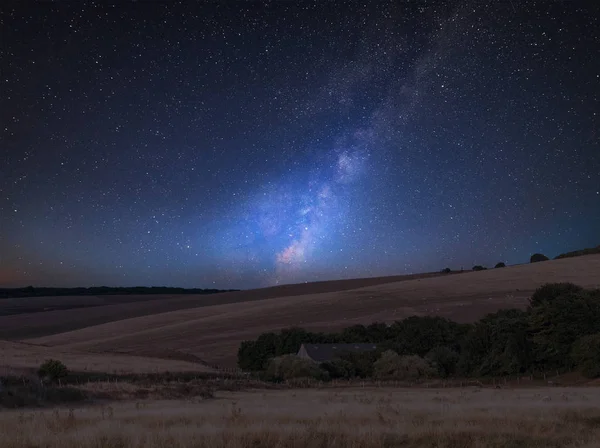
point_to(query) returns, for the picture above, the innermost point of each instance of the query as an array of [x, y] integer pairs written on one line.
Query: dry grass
[[213, 333], [20, 318], [349, 418], [17, 356]]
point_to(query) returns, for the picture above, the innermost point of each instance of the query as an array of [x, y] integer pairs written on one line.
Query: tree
[[552, 291], [417, 335], [446, 270], [287, 367], [500, 265], [479, 268], [53, 370], [556, 324], [339, 368], [393, 366], [535, 258], [586, 355], [497, 345], [444, 359]]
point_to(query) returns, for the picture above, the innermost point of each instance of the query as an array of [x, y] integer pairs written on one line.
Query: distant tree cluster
[[579, 253], [536, 258], [560, 330], [30, 291]]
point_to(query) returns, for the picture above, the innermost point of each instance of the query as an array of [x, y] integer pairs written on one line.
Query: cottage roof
[[327, 352]]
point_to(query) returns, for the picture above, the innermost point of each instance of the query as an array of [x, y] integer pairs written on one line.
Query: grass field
[[213, 333], [19, 357], [32, 317], [355, 417]]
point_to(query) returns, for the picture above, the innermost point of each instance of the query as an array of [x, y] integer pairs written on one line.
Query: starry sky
[[246, 144]]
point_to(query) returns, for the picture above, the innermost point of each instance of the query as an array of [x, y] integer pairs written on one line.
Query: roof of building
[[327, 352]]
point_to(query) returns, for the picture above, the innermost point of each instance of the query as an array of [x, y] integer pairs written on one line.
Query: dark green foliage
[[586, 355], [377, 332], [556, 324], [550, 334], [551, 291], [339, 368], [446, 270], [535, 258], [289, 367], [579, 253], [30, 291], [418, 335], [53, 370], [355, 333], [390, 366], [497, 345], [500, 265], [444, 359], [479, 268], [362, 363]]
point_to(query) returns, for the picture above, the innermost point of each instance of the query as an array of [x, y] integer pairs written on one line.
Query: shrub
[[535, 258], [53, 370], [446, 270], [17, 392], [339, 368], [586, 355], [551, 291], [393, 366], [362, 362], [500, 265], [288, 367], [479, 268], [444, 360]]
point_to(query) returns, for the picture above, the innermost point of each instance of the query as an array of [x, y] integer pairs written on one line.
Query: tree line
[[30, 291], [559, 331]]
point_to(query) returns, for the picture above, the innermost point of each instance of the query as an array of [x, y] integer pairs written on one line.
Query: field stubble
[[453, 418]]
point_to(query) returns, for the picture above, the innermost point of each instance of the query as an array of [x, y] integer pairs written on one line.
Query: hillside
[[22, 318], [213, 333]]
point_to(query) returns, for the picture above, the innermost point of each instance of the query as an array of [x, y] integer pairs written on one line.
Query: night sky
[[245, 144]]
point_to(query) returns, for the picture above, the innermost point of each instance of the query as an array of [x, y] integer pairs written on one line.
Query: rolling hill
[[212, 331]]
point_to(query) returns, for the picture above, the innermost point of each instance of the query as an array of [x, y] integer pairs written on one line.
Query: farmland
[[213, 331]]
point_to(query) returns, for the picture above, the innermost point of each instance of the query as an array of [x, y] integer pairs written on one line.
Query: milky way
[[242, 145]]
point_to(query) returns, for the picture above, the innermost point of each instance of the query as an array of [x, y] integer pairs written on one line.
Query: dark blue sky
[[230, 146]]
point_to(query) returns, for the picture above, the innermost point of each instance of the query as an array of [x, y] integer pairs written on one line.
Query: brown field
[[21, 319], [353, 417], [213, 333], [18, 357]]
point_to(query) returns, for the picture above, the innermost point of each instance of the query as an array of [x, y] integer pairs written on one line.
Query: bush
[[52, 370], [586, 355], [444, 360], [535, 258], [339, 368], [288, 367], [500, 265], [446, 270], [361, 362], [551, 291], [393, 366], [479, 268], [18, 392]]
